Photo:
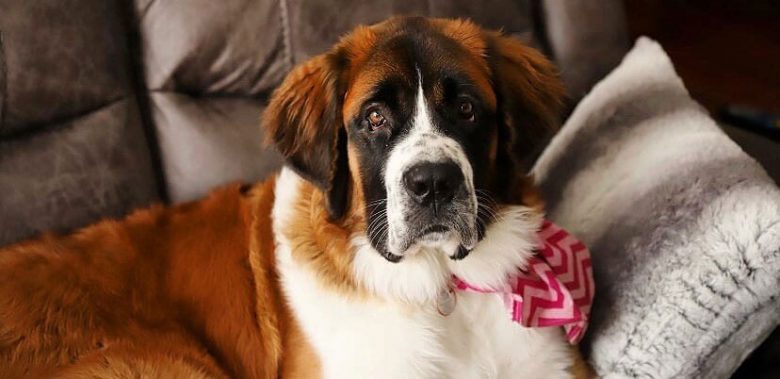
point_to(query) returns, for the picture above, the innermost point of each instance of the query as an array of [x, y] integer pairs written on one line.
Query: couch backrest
[[73, 147], [107, 105]]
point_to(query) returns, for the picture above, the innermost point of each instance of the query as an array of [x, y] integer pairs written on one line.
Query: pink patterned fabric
[[556, 289]]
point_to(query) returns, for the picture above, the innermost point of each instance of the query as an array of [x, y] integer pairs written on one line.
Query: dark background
[[727, 52]]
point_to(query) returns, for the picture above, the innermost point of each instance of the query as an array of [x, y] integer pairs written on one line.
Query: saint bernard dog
[[407, 148]]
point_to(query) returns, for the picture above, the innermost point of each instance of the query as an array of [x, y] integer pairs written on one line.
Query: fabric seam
[[3, 83], [51, 124], [142, 14], [284, 16]]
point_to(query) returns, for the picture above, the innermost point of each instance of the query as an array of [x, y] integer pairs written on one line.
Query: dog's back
[[166, 292]]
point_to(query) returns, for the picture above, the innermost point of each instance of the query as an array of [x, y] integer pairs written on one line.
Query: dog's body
[[333, 267], [367, 338]]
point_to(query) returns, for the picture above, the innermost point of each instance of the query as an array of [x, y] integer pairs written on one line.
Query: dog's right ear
[[303, 120]]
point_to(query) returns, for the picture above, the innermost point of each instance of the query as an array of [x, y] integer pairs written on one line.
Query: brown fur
[[192, 290], [579, 368], [322, 245], [151, 288]]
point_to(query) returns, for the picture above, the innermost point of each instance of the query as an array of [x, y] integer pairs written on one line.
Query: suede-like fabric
[[75, 173], [210, 141], [61, 60], [587, 39], [315, 26], [207, 48], [73, 147]]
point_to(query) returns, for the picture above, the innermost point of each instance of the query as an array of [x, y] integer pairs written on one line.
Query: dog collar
[[555, 289]]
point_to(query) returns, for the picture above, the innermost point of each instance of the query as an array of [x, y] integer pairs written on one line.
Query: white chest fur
[[359, 338]]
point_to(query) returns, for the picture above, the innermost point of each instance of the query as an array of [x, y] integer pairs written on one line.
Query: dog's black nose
[[433, 184]]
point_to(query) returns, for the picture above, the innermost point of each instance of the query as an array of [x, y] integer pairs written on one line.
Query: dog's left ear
[[529, 104], [303, 120]]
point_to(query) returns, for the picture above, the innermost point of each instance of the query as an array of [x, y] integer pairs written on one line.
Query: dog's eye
[[466, 110], [375, 120]]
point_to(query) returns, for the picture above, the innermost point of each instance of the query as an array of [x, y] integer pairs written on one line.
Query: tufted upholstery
[[61, 70], [72, 143]]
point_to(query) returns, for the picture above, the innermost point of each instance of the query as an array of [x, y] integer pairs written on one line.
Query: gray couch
[[109, 105]]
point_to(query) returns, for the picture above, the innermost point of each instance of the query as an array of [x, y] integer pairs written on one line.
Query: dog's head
[[430, 122]]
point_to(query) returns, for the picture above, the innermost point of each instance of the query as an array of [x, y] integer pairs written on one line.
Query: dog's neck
[[320, 244]]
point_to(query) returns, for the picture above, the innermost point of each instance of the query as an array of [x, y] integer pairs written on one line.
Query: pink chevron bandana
[[556, 289]]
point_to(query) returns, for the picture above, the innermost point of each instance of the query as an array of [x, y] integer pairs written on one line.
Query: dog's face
[[426, 124]]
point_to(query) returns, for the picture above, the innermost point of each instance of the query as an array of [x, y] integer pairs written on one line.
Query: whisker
[[377, 235], [376, 222], [376, 203]]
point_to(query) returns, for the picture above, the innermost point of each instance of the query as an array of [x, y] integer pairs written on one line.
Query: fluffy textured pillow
[[683, 225]]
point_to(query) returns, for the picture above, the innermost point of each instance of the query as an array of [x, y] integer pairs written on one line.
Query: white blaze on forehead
[[424, 143], [422, 119]]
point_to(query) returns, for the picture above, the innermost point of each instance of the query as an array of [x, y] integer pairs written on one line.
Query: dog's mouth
[[392, 258], [442, 233], [454, 237], [428, 236], [433, 232]]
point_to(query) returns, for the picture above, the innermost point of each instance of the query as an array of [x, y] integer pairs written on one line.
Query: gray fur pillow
[[684, 227]]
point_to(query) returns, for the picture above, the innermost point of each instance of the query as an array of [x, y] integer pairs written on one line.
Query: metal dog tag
[[446, 301]]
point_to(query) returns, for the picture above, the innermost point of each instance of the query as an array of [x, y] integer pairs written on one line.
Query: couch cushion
[[62, 59], [208, 142], [212, 47], [74, 173], [684, 227], [209, 66]]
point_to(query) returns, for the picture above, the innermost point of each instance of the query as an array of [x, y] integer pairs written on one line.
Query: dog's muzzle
[[437, 210]]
